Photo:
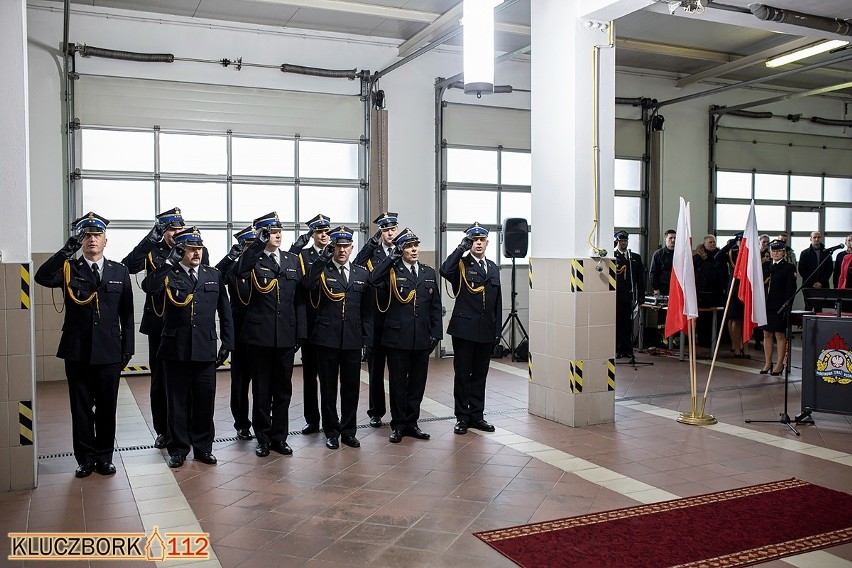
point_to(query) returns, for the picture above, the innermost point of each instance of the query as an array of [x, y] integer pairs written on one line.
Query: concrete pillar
[[17, 362], [572, 301]]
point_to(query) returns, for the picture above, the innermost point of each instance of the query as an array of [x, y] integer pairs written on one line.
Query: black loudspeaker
[[515, 237]]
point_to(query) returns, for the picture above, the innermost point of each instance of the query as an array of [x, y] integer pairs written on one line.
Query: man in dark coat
[[661, 265], [412, 330], [194, 295], [629, 293], [341, 293], [97, 338], [474, 325], [374, 251], [239, 291], [275, 327], [318, 231], [150, 253], [815, 273]]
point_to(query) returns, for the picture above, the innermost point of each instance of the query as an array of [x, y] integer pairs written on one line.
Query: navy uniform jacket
[[148, 256], [344, 318], [414, 324], [306, 257], [780, 282], [238, 291], [371, 256], [277, 317], [189, 331], [100, 331], [476, 315], [625, 270]]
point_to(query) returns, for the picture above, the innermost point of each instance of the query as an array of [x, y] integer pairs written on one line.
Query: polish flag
[[749, 272], [683, 300]]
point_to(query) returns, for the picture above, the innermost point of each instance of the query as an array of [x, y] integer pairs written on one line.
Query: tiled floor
[[417, 503]]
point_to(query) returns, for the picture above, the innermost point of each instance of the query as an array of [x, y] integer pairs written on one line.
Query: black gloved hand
[[125, 359], [263, 235], [156, 233], [395, 253], [302, 241], [433, 343], [326, 253], [223, 354], [299, 342], [72, 245], [235, 252], [466, 243], [376, 239], [176, 255]]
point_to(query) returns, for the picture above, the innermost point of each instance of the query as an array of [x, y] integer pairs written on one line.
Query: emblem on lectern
[[834, 364]]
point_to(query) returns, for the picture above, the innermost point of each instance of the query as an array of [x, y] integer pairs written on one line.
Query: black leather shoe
[[375, 422], [350, 441], [416, 432], [161, 441], [83, 470], [482, 425], [244, 434], [105, 468], [206, 457], [460, 427], [282, 448], [176, 461], [310, 429], [331, 443], [395, 437], [262, 450]]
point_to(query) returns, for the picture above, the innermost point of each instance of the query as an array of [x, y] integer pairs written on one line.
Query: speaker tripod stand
[[513, 321]]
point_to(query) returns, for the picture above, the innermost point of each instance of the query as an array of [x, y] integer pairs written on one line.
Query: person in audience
[[838, 262], [629, 294], [736, 309], [815, 266]]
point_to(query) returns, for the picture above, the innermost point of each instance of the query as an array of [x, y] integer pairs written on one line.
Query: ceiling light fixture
[[805, 52], [478, 38]]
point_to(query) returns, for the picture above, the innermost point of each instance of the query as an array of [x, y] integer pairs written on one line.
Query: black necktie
[[482, 264], [343, 275], [192, 276], [97, 273], [274, 261], [414, 270]]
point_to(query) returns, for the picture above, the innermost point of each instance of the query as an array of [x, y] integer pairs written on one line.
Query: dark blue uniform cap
[[171, 218], [246, 234], [268, 221], [189, 237], [405, 237], [476, 230], [90, 223], [341, 235], [387, 220], [319, 223], [739, 236], [777, 244], [621, 236]]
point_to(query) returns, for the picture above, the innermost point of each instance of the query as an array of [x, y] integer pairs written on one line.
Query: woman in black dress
[[779, 279]]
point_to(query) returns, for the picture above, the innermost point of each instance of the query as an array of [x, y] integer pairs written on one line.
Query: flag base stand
[[696, 420]]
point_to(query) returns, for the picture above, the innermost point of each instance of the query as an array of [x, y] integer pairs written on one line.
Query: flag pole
[[716, 349], [696, 417]]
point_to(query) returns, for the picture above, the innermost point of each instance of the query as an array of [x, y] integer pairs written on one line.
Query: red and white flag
[[749, 272], [683, 300]]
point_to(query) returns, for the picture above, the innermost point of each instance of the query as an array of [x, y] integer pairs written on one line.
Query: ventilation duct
[[831, 25]]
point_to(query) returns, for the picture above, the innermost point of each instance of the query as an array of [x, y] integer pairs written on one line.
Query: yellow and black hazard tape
[[529, 272], [25, 286], [576, 275], [610, 374], [611, 266], [25, 422], [529, 366], [576, 376]]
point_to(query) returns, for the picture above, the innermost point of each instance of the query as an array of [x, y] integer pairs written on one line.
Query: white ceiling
[[649, 40]]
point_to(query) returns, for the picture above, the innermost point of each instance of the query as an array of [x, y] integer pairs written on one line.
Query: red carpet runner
[[741, 527]]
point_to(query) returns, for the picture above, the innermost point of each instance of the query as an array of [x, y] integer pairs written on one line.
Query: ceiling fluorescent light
[[805, 52], [478, 35]]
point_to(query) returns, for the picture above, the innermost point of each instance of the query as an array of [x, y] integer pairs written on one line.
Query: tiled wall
[[17, 452]]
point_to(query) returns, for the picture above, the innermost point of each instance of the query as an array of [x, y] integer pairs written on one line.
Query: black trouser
[[272, 388], [191, 388], [343, 365], [470, 363], [624, 327], [159, 403], [93, 392], [407, 369], [376, 367], [310, 394], [240, 383]]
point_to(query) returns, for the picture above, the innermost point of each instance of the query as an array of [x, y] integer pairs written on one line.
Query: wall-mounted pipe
[[91, 51], [772, 14]]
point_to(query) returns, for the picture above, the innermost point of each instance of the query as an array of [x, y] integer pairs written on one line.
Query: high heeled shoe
[[777, 373], [766, 370]]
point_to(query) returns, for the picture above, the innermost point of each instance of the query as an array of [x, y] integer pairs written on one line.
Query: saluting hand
[[235, 252], [376, 238], [155, 235], [302, 241], [72, 245], [263, 235], [466, 243], [175, 255], [395, 253]]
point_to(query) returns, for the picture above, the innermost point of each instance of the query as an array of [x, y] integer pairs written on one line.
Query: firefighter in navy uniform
[[238, 291], [150, 253], [275, 327], [341, 294], [193, 294], [318, 232], [629, 293], [97, 338], [412, 322], [474, 326], [374, 251], [779, 280]]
